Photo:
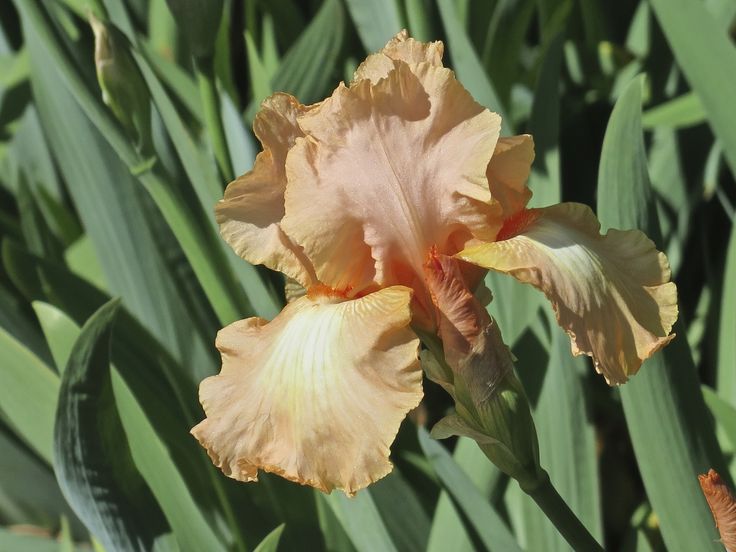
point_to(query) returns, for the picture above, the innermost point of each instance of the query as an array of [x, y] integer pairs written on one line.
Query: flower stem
[[559, 513], [205, 69]]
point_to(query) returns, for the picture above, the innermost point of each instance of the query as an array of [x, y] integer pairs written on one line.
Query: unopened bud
[[123, 89], [475, 366]]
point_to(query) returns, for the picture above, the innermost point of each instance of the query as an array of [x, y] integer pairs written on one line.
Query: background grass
[[632, 108]]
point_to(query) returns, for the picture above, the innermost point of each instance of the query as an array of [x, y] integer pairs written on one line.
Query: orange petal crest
[[722, 505], [318, 394], [250, 213], [611, 293]]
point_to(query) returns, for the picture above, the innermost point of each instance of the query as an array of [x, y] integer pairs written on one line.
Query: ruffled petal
[[387, 171], [508, 173], [318, 394], [611, 293], [401, 48], [251, 211]]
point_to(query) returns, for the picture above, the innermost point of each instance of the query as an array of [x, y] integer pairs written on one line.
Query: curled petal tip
[[611, 293]]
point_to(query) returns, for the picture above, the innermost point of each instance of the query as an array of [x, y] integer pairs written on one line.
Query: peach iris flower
[[351, 198]]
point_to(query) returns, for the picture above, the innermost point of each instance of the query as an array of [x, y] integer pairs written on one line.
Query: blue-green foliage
[[97, 397]]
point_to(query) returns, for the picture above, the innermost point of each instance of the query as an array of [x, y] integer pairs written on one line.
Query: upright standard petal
[[318, 394], [251, 211], [508, 173], [611, 293], [402, 48], [387, 171]]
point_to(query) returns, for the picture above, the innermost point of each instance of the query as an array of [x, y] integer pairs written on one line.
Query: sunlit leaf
[[17, 540], [271, 542], [28, 394], [669, 425], [727, 328], [60, 332], [723, 412], [486, 522], [376, 20], [708, 58], [567, 447], [361, 521], [155, 464], [681, 112]]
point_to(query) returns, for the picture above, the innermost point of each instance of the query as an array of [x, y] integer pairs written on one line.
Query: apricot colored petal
[[722, 506], [508, 172], [387, 171], [250, 213], [317, 395], [402, 48], [611, 293]]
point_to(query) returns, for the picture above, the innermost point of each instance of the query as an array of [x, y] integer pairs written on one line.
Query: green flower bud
[[472, 363], [199, 21], [123, 89], [497, 417]]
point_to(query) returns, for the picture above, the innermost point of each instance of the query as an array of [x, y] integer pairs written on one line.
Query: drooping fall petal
[[508, 173], [722, 506], [251, 211], [316, 395], [402, 48], [611, 293], [386, 171]]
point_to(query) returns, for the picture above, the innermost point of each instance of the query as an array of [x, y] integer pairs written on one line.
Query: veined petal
[[471, 341], [508, 173], [318, 394], [251, 211], [611, 293], [401, 48], [461, 317], [386, 171]]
